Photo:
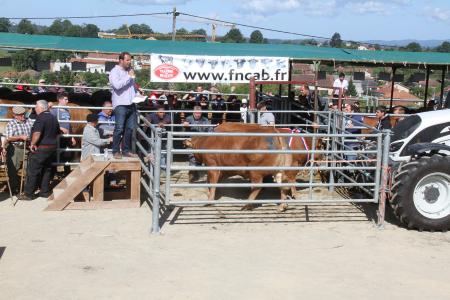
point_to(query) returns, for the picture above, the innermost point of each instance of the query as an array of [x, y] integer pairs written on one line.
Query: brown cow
[[243, 159]]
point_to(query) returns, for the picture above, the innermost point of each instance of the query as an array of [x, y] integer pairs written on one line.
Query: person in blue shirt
[[106, 120], [63, 117]]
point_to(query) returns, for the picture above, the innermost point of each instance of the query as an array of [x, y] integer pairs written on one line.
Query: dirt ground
[[217, 253]]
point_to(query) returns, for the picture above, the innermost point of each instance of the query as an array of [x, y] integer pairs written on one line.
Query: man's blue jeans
[[126, 122]]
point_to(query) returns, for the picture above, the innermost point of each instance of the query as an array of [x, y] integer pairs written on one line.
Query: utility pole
[[174, 22]]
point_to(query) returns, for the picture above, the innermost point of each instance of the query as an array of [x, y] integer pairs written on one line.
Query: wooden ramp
[[91, 172]]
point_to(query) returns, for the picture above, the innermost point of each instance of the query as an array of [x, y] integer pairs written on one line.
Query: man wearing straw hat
[[18, 131]]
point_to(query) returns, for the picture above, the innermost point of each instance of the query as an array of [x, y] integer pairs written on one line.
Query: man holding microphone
[[121, 79]]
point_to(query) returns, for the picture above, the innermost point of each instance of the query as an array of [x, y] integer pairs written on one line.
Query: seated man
[[106, 120], [91, 141]]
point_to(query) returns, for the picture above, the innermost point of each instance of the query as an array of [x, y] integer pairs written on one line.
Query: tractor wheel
[[421, 193]]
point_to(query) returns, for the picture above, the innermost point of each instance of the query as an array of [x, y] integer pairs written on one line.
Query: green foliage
[[26, 27], [412, 47], [233, 36], [66, 28], [444, 47], [352, 89], [256, 37], [311, 42], [336, 41], [140, 29], [122, 29], [5, 24], [200, 31], [182, 31], [24, 60]]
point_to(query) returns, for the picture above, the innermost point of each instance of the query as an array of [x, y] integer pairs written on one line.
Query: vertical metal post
[[333, 149], [391, 102], [384, 179], [442, 88], [427, 81], [169, 159], [156, 181], [380, 148]]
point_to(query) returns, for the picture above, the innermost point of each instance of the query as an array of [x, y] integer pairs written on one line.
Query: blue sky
[[353, 19]]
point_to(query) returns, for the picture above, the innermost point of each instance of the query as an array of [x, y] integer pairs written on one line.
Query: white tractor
[[420, 163]]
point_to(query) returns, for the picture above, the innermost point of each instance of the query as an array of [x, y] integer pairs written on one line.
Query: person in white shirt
[[243, 110], [340, 86]]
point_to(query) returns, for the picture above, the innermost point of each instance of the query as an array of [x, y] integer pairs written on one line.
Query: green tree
[[74, 30], [57, 28], [200, 31], [90, 30], [412, 47], [5, 24], [256, 37], [233, 36], [352, 89], [311, 42], [24, 60], [336, 41], [122, 29], [182, 31], [26, 27], [140, 29], [444, 47]]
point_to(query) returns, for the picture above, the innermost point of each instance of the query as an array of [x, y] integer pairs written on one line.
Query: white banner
[[223, 69]]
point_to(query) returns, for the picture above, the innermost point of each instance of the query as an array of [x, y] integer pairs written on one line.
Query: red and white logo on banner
[[166, 71]]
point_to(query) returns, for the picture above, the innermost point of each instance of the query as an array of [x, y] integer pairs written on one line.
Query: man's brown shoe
[[117, 155]]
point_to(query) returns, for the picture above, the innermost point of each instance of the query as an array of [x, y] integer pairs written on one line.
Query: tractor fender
[[421, 149]]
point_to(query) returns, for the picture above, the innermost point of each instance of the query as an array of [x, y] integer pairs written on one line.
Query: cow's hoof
[[248, 207], [282, 207]]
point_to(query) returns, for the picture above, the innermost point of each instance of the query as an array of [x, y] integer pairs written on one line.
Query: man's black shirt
[[48, 126]]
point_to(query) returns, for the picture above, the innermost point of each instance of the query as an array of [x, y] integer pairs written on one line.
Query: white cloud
[[323, 8], [436, 13], [367, 7], [153, 2]]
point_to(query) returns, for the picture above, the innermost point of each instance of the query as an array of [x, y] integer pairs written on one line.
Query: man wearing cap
[[18, 131], [44, 135], [41, 88]]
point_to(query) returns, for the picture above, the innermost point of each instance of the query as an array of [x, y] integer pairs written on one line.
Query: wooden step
[[72, 185]]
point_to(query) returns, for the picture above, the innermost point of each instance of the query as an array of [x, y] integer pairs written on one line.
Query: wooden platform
[[91, 173]]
